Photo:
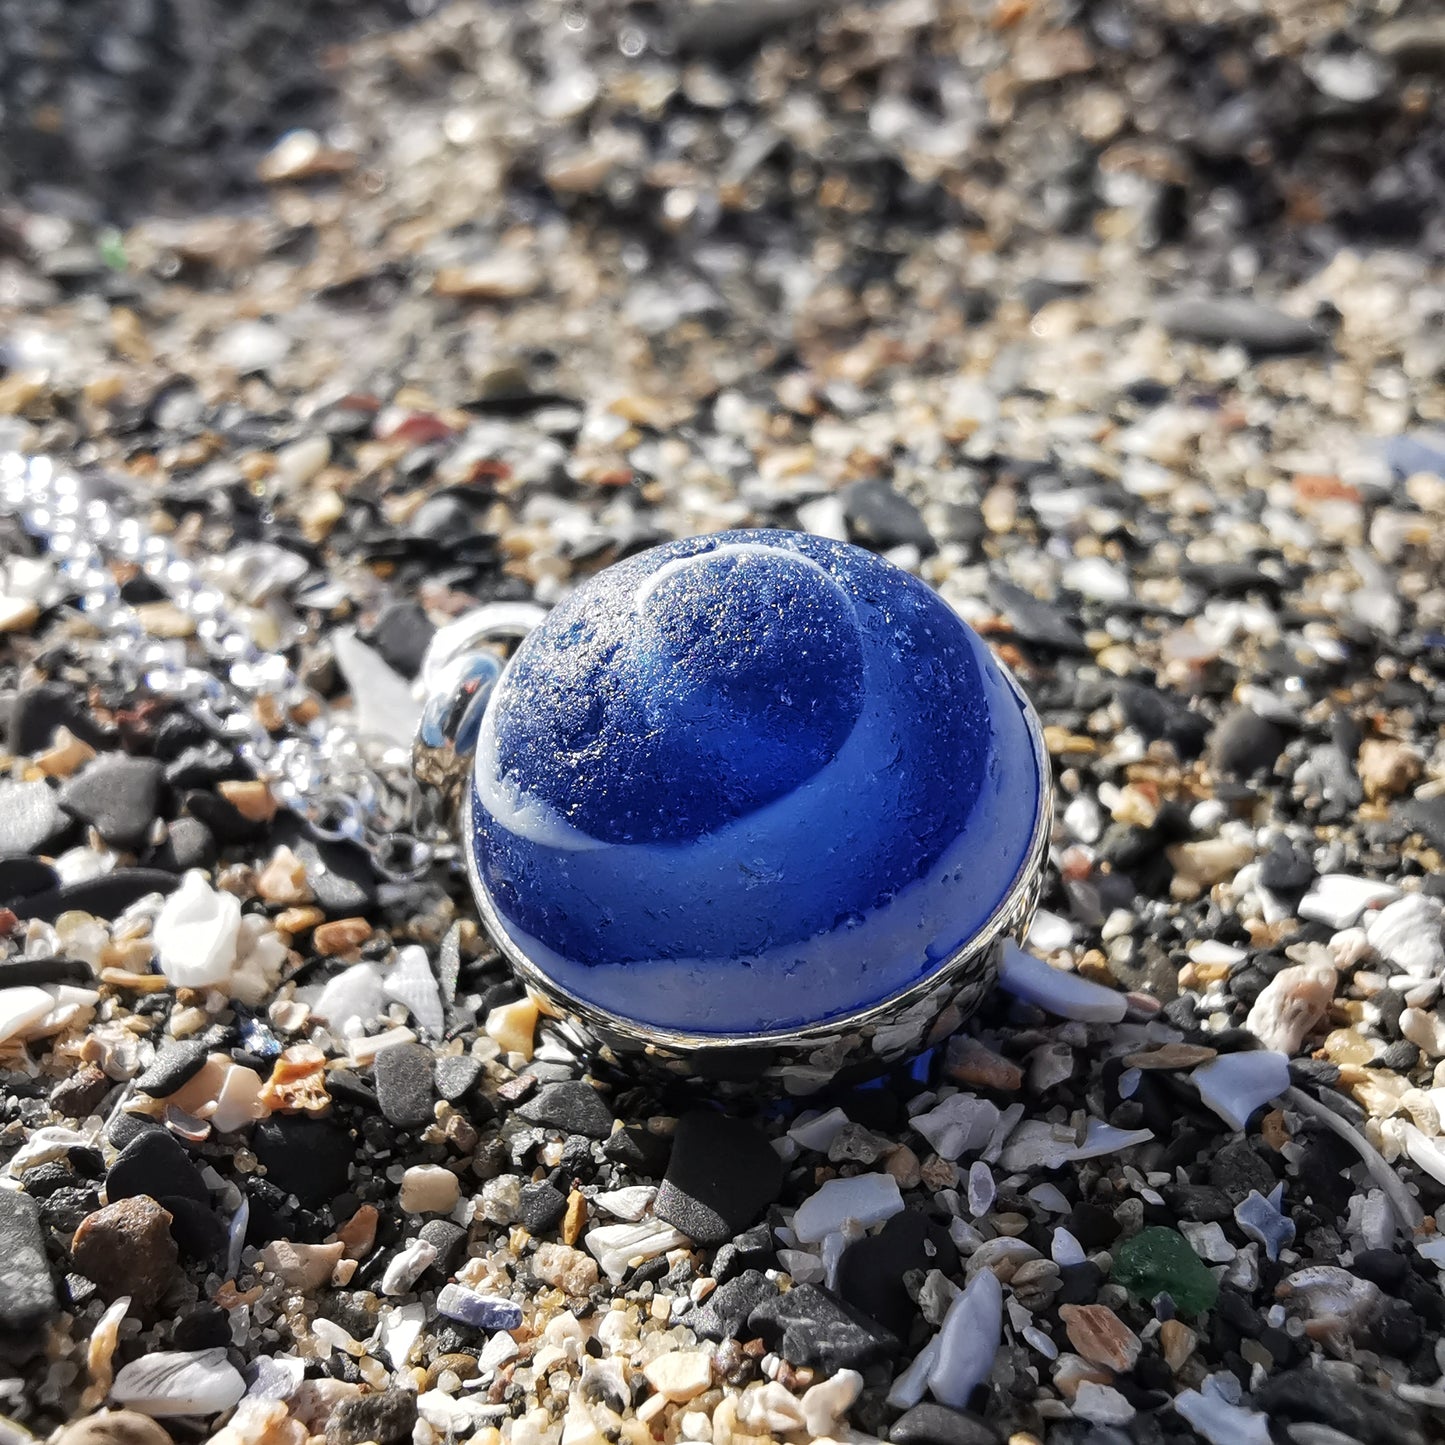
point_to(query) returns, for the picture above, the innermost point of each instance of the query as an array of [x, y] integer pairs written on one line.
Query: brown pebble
[[464, 1367], [1387, 767], [126, 1248], [1273, 1129], [1100, 1336], [113, 1427], [902, 1163], [1171, 1056], [1177, 1341], [78, 1096], [575, 1217], [358, 1234], [341, 936], [251, 798], [303, 1266], [971, 1062], [298, 920]]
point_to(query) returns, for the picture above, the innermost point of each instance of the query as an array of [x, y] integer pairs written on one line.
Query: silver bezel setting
[[795, 1061]]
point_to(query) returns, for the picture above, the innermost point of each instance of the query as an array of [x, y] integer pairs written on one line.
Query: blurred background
[[1105, 299]]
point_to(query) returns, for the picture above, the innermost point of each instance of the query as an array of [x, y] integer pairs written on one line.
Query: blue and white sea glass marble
[[750, 782]]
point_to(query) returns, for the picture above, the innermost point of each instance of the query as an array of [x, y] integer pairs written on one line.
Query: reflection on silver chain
[[345, 787]]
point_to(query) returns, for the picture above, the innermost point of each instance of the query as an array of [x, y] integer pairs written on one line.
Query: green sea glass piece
[[1160, 1261]]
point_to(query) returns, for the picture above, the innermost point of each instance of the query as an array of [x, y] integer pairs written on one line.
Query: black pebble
[[1401, 1056], [880, 518], [723, 1315], [1244, 743], [1286, 868], [1425, 816], [542, 1207], [457, 1076], [30, 816], [1380, 1266], [188, 844], [350, 1088], [204, 766], [305, 1157], [222, 818], [173, 1066], [39, 711], [176, 732], [810, 1326], [571, 1106], [1035, 621], [118, 796], [1155, 713], [27, 1291], [722, 1175], [450, 1243], [1201, 1203], [1396, 1330], [15, 971], [1362, 1412], [105, 897], [752, 1249], [196, 1229], [201, 1326], [64, 1210], [636, 1147], [155, 1163], [1093, 1226], [404, 1085], [125, 1128], [21, 875], [402, 634], [44, 1179], [1237, 1168], [1079, 1283], [387, 1418], [931, 1424], [871, 1270]]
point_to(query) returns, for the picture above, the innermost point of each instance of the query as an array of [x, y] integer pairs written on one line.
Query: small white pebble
[[429, 1189]]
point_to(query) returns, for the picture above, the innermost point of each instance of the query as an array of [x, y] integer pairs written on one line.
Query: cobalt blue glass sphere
[[749, 783]]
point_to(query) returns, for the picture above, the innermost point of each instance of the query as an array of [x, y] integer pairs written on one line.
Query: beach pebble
[[114, 1427], [429, 1189], [721, 1175], [127, 1249]]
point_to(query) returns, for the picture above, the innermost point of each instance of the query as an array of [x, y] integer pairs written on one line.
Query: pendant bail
[[461, 667]]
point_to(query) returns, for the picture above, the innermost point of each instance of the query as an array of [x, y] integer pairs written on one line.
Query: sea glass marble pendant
[[757, 808]]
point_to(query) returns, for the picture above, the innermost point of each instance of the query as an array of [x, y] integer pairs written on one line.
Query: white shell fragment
[[1065, 994], [196, 933], [1339, 899], [179, 1382], [410, 981], [1406, 935]]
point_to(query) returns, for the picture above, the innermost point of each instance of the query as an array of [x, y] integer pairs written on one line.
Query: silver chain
[[345, 787]]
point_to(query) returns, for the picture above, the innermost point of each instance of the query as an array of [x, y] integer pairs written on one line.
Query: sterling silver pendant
[[755, 809]]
